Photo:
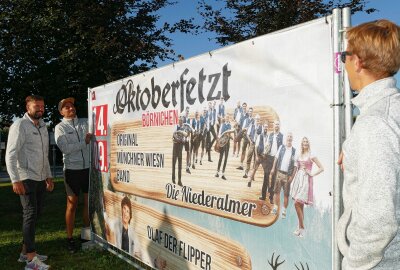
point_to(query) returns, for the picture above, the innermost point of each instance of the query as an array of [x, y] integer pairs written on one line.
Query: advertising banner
[[221, 161]]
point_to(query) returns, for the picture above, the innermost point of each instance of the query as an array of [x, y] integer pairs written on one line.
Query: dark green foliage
[[239, 20], [59, 48]]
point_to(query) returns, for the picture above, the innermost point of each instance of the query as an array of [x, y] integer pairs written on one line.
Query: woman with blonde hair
[[302, 184]]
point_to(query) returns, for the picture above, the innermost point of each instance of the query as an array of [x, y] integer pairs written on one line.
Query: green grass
[[50, 234]]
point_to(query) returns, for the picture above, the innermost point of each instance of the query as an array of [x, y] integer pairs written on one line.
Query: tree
[[59, 48], [240, 20]]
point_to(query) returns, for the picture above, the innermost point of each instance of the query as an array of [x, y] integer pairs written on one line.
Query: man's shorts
[[76, 181], [282, 180]]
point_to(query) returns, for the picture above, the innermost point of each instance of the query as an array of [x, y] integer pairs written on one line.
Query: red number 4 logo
[[101, 120]]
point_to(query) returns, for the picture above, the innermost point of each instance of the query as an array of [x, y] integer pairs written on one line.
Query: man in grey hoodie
[[29, 169], [72, 137], [368, 233]]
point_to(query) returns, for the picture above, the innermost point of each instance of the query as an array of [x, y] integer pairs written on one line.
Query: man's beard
[[36, 115]]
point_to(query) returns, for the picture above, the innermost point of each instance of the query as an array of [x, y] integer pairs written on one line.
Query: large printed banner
[[162, 236], [222, 161]]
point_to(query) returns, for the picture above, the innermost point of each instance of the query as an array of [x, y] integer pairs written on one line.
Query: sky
[[192, 45]]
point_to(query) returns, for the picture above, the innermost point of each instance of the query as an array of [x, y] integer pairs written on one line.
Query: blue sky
[[192, 45]]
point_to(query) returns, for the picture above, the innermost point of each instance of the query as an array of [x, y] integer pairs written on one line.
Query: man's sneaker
[[24, 258], [223, 177], [297, 232], [36, 264], [284, 213], [82, 240], [71, 245], [240, 168], [275, 210]]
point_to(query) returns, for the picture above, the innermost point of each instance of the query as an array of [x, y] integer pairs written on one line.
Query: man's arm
[[373, 222], [49, 184], [49, 177], [16, 139]]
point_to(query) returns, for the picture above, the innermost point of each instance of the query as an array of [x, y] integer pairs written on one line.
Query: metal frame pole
[[89, 102], [348, 95], [343, 114], [338, 131]]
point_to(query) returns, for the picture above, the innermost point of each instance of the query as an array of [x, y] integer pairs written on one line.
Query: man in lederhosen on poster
[[261, 150], [221, 114], [285, 168], [246, 122], [179, 138], [253, 132], [196, 138], [238, 115], [204, 132], [224, 150], [186, 120], [275, 140], [212, 114]]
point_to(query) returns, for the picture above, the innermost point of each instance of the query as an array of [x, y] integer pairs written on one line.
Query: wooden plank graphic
[[141, 164], [171, 243]]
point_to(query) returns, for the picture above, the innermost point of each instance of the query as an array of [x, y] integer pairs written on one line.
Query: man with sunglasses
[[368, 233], [72, 137]]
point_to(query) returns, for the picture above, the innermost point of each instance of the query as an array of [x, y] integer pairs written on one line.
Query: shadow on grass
[[50, 234]]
